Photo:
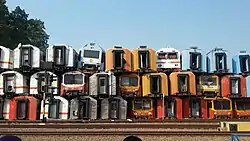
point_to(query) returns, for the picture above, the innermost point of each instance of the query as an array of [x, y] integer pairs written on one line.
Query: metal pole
[[44, 95]]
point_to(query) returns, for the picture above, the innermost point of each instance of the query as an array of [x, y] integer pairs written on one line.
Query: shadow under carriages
[[10, 138], [132, 138]]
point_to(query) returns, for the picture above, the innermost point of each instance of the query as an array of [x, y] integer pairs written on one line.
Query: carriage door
[[195, 60], [155, 84], [22, 109], [83, 111], [54, 109], [195, 108], [170, 108], [60, 55], [235, 86], [244, 63], [183, 83], [26, 56], [143, 59], [9, 81], [41, 83], [118, 59], [102, 86], [1, 108], [114, 109], [221, 61]]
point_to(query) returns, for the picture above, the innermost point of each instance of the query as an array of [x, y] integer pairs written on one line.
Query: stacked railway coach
[[120, 83]]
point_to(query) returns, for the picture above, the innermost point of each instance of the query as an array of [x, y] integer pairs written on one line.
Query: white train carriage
[[13, 82], [83, 107], [92, 56], [6, 58], [37, 83], [62, 55], [4, 108], [102, 84], [168, 59], [27, 57], [73, 83], [55, 109]]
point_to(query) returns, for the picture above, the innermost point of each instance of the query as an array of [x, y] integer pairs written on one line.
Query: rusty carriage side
[[144, 59], [182, 83], [233, 86], [118, 59], [102, 84], [154, 85], [83, 107], [114, 108]]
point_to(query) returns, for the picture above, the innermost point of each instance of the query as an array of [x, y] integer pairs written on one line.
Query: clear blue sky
[[156, 23]]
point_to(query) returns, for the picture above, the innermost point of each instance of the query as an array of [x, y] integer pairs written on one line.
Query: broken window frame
[[192, 104], [122, 59], [57, 102], [25, 115], [167, 107], [224, 61], [140, 59], [198, 60], [187, 79], [244, 63], [63, 55], [159, 89], [111, 108], [30, 56], [5, 82], [231, 79], [80, 107], [106, 79]]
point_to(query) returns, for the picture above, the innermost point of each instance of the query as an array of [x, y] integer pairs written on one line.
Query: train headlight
[[135, 113], [149, 113], [215, 113], [228, 113]]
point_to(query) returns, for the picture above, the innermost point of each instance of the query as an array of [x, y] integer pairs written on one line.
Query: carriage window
[[25, 56], [41, 82], [221, 61], [138, 104], [242, 105], [222, 105], [21, 109], [244, 63], [118, 59], [1, 107], [53, 110], [195, 60], [172, 55], [161, 56], [102, 85], [73, 79], [9, 83], [114, 105], [208, 80], [155, 83], [234, 86], [83, 111], [91, 54], [129, 81], [144, 59], [58, 55], [146, 104], [183, 83]]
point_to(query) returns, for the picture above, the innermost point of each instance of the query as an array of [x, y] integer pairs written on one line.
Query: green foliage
[[16, 27]]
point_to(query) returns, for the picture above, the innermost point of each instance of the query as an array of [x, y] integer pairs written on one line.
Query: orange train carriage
[[208, 85], [182, 83], [154, 84], [233, 86], [241, 107], [144, 59], [118, 59], [129, 85]]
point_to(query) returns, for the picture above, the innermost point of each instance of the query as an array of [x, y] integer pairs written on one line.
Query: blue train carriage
[[241, 63], [92, 57], [28, 58], [193, 59], [62, 56], [217, 61], [6, 58]]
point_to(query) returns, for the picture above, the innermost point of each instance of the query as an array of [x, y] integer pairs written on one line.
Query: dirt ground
[[120, 138]]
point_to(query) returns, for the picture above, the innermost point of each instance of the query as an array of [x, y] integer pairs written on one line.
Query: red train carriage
[[233, 86], [172, 108], [219, 107], [241, 107], [194, 107], [24, 108]]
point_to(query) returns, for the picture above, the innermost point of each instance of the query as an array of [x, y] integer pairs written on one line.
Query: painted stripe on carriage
[[3, 62], [5, 113], [26, 87]]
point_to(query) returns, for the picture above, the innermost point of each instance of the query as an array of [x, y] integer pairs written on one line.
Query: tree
[[15, 28]]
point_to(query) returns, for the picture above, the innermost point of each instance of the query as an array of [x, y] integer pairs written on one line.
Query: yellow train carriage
[[208, 85], [144, 59], [154, 84], [129, 85], [142, 108], [118, 59]]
